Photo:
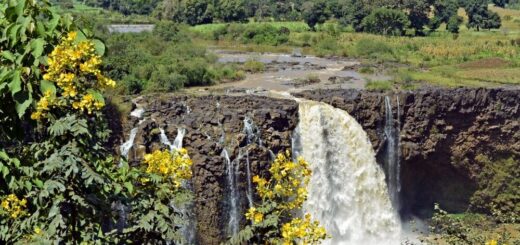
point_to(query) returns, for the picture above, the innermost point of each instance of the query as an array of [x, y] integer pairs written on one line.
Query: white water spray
[[347, 191]]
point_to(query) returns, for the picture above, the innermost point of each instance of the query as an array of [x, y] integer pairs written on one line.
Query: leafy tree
[[231, 10], [479, 16], [315, 12], [63, 185], [418, 14], [282, 195], [454, 23], [444, 10], [198, 12], [501, 3], [354, 11], [386, 22]]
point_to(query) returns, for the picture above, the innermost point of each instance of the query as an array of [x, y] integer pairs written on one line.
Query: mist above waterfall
[[347, 191]]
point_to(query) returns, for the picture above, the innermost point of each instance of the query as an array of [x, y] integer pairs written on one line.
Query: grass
[[379, 85], [471, 58]]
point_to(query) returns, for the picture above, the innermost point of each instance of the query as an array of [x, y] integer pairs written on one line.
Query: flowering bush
[[74, 66], [281, 195], [13, 207], [175, 166]]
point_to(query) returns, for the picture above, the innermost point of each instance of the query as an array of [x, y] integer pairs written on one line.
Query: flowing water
[[347, 191], [177, 143], [125, 147], [234, 219], [392, 165]]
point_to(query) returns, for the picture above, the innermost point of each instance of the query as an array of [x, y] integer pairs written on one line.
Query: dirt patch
[[485, 63]]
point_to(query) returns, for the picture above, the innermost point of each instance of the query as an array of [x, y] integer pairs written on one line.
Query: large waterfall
[[347, 191]]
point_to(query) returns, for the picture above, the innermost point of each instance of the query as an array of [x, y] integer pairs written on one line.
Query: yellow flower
[[13, 206], [491, 242], [37, 230], [175, 165], [258, 218]]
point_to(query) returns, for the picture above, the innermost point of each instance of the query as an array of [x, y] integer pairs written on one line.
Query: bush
[[366, 70], [379, 85], [254, 66]]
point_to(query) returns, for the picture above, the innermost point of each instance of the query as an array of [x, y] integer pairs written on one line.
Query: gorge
[[440, 134]]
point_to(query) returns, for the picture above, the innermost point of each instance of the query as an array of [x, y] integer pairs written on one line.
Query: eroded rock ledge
[[442, 132]]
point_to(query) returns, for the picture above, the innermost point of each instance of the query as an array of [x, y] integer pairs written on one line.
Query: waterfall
[[249, 184], [233, 224], [347, 191], [392, 166], [177, 143], [252, 134], [125, 147]]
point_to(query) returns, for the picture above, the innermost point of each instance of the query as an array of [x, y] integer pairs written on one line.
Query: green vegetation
[[60, 182], [379, 85], [282, 194], [468, 229]]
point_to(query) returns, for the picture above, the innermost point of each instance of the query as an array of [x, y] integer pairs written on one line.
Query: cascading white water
[[252, 135], [392, 166], [234, 222], [347, 191], [125, 147], [177, 143]]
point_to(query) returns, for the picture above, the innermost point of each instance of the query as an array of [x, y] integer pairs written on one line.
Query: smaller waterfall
[[138, 112], [252, 134], [177, 143], [392, 166], [249, 184], [233, 224], [125, 147]]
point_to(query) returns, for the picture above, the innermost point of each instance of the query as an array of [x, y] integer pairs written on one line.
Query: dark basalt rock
[[212, 123], [442, 132]]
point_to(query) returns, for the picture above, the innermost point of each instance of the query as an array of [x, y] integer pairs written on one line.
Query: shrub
[[254, 66], [272, 219], [366, 70], [379, 85]]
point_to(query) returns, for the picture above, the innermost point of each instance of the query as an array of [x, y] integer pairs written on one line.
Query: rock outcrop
[[215, 123], [442, 132]]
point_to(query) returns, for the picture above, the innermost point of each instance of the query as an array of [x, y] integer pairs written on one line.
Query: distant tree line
[[388, 17]]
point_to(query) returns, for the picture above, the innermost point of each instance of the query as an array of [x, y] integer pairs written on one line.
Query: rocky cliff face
[[442, 132], [215, 123]]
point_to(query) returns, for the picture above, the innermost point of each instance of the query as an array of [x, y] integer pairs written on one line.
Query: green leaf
[[28, 185], [5, 171], [97, 95], [16, 83], [37, 46], [129, 186], [38, 183], [47, 86], [23, 101], [99, 46], [8, 55]]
